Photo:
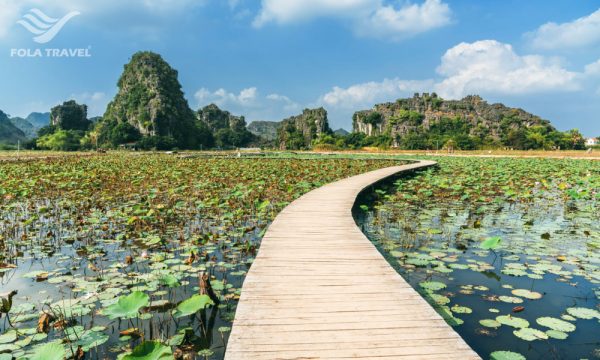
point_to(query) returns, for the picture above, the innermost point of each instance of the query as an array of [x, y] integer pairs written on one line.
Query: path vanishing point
[[319, 289]]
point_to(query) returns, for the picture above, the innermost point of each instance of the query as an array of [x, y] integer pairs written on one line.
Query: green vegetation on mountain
[[228, 130], [32, 123], [25, 126], [150, 108], [70, 116], [68, 126], [341, 132], [430, 122], [150, 111], [299, 132], [9, 133]]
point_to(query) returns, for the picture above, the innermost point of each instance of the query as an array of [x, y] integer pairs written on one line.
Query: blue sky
[[270, 59]]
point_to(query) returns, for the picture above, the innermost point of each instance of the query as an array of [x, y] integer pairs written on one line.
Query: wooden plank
[[319, 289]]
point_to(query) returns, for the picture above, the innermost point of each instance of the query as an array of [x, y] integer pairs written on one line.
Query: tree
[[70, 116], [373, 118], [61, 140], [124, 133]]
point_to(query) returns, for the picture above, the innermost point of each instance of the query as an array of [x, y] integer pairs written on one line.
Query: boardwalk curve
[[319, 289]]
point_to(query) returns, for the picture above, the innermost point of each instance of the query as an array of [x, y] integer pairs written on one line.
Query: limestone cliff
[[419, 113], [298, 132]]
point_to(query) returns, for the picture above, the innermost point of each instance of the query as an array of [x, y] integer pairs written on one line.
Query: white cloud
[[290, 11], [367, 94], [593, 68], [370, 18], [409, 20], [9, 13], [581, 32], [246, 97], [484, 67], [249, 102], [489, 66]]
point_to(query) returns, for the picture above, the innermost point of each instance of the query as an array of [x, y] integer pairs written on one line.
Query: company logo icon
[[43, 26]]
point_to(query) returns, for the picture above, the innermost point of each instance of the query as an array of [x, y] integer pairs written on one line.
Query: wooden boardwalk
[[319, 289]]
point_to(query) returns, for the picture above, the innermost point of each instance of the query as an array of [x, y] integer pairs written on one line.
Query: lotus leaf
[[506, 355], [150, 350], [192, 305], [556, 324], [530, 334], [512, 321], [127, 306], [583, 313]]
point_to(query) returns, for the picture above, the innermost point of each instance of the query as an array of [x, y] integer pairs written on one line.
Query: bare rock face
[[264, 129], [418, 113], [298, 132]]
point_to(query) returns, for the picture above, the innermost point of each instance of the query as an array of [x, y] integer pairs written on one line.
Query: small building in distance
[[592, 142]]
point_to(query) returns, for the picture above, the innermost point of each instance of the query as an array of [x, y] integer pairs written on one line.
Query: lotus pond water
[[137, 256], [506, 250]]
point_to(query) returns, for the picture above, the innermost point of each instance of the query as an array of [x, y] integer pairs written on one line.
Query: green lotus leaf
[[532, 295], [8, 337], [461, 309], [490, 323], [583, 313], [50, 351], [506, 355], [555, 334], [432, 285], [169, 280], [513, 321], [530, 334], [447, 315], [150, 350], [491, 243], [556, 324], [439, 299], [192, 305], [128, 306], [510, 299]]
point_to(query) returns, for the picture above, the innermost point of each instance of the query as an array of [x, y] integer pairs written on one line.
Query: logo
[[43, 26]]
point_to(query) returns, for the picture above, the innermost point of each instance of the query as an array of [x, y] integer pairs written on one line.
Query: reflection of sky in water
[[53, 250], [524, 229]]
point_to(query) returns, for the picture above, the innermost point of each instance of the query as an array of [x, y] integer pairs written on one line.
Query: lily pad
[[128, 306], [192, 305], [490, 323], [50, 351], [556, 324], [432, 285], [461, 309], [510, 299], [530, 334], [583, 313], [150, 350], [506, 355], [512, 321], [532, 295], [555, 334]]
